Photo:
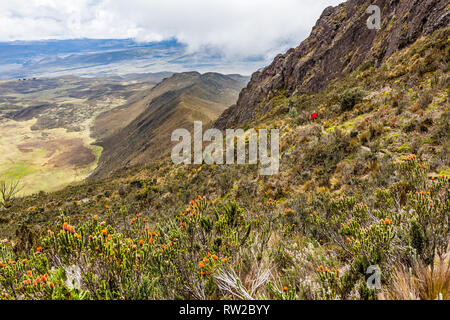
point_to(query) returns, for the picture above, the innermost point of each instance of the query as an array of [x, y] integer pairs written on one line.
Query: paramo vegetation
[[363, 181], [218, 250]]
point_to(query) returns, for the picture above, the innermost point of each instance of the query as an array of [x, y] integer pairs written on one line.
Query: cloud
[[233, 27]]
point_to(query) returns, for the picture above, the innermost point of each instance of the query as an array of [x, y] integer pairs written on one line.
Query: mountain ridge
[[339, 43], [173, 103]]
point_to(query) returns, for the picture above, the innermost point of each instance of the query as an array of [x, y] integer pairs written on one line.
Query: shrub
[[351, 97], [425, 99], [293, 113], [8, 191]]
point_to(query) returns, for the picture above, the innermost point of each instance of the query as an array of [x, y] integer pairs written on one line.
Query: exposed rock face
[[339, 43]]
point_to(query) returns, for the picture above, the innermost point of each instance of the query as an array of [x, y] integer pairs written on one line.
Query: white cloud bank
[[234, 27]]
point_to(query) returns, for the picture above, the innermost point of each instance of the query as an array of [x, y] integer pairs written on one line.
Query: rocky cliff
[[339, 43]]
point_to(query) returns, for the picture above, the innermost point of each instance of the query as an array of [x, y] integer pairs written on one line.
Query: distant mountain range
[[91, 57]]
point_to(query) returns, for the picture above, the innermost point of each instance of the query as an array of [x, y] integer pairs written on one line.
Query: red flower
[[314, 115]]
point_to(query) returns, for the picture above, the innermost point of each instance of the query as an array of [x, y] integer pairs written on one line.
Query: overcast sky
[[234, 27]]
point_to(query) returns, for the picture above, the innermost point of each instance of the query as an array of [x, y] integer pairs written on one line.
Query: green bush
[[351, 97]]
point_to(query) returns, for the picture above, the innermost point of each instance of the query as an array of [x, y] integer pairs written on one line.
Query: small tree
[[8, 191], [293, 113]]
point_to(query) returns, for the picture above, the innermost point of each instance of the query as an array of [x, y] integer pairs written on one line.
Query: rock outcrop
[[339, 43]]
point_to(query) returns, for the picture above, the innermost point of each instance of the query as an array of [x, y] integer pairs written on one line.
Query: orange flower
[[201, 264], [285, 289], [95, 217], [209, 254], [104, 232], [224, 260], [205, 260], [106, 207], [214, 257], [39, 249], [29, 273], [51, 284], [141, 242]]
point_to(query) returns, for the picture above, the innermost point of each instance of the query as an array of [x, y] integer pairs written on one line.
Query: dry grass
[[420, 282]]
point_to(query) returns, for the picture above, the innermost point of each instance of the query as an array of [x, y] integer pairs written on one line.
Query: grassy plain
[[45, 160]]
